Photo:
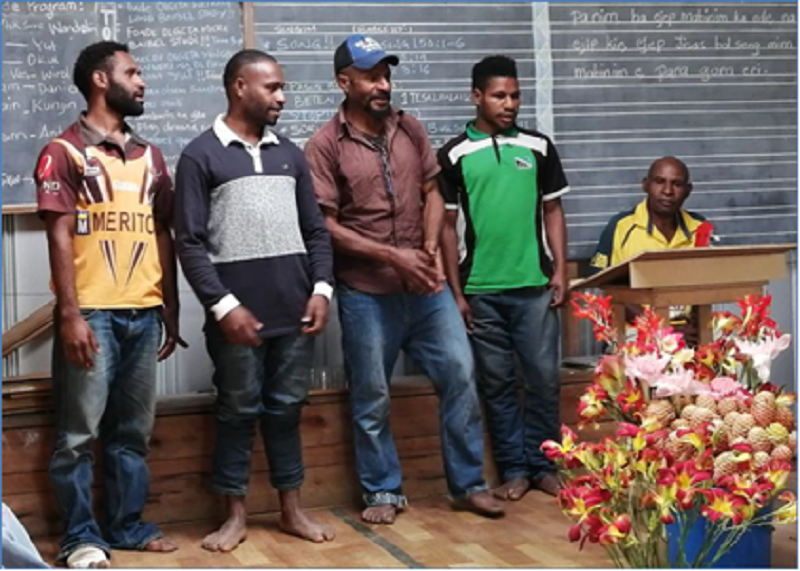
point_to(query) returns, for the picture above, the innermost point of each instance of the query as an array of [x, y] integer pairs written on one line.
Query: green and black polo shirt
[[500, 183]]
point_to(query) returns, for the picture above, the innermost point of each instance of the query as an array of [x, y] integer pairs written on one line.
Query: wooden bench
[[180, 457]]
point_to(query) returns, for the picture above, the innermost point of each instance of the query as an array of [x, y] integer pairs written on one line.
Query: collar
[[226, 135], [641, 217], [346, 129], [94, 136], [476, 134]]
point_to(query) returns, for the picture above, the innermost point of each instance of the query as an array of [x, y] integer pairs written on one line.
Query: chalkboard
[[40, 43], [615, 85], [437, 46], [712, 84], [182, 48]]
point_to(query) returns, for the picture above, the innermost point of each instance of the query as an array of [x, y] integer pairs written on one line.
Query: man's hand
[[316, 316], [418, 269], [241, 327], [558, 283], [466, 313], [79, 341], [435, 254], [172, 329]]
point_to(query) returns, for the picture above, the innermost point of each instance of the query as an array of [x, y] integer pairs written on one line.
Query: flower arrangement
[[701, 434]]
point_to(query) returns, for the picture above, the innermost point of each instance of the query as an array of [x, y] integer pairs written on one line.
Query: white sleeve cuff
[[224, 306], [324, 289], [556, 194]]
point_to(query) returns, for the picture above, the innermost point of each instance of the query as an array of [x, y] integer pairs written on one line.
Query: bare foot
[[227, 538], [161, 545], [513, 490], [299, 524], [481, 503], [233, 531], [385, 514], [550, 484], [295, 521]]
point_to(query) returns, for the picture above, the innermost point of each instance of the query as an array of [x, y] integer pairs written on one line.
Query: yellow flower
[[787, 513], [683, 356]]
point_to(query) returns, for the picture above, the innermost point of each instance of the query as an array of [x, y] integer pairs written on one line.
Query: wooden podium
[[699, 277]]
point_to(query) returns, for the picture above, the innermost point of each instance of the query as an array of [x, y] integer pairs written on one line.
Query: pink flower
[[679, 383], [672, 343], [725, 387], [762, 353], [647, 367]]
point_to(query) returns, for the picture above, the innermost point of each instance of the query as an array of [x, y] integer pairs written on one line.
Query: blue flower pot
[[753, 550]]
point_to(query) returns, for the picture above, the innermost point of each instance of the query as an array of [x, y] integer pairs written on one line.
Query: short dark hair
[[675, 161], [96, 57], [240, 60], [492, 66]]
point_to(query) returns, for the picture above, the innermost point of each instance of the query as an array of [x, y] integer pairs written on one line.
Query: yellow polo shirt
[[632, 232]]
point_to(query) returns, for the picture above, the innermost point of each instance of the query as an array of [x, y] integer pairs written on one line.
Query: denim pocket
[[344, 289], [87, 314]]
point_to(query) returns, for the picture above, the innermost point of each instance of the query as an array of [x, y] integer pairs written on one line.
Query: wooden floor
[[429, 534]]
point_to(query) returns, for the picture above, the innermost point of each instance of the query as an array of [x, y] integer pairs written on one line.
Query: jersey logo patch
[[92, 167], [523, 164], [82, 226], [599, 261], [51, 186], [45, 168]]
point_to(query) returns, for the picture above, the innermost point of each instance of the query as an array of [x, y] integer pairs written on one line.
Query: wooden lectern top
[[726, 265]]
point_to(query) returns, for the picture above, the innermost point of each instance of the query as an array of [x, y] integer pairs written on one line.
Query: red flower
[[616, 531], [623, 524], [596, 309], [723, 505], [631, 400], [702, 236], [755, 315], [575, 533], [628, 429], [591, 406]]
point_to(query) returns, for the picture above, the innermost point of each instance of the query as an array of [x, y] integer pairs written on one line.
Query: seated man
[[657, 223]]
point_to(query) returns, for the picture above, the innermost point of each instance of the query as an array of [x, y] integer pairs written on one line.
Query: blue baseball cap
[[362, 52]]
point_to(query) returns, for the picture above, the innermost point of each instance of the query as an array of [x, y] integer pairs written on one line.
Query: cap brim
[[371, 60]]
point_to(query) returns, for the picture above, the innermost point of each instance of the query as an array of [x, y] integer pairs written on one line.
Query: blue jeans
[[114, 400], [268, 383], [430, 330], [19, 552], [518, 323]]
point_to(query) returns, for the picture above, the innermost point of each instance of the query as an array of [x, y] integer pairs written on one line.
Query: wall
[[25, 287], [607, 126]]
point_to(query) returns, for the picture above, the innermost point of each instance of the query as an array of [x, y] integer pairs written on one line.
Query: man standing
[[375, 178], [106, 199], [507, 183], [253, 246]]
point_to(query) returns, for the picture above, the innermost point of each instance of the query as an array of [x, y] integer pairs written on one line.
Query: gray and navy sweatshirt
[[248, 228]]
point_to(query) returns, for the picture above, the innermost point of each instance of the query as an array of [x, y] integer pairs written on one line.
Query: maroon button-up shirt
[[376, 194]]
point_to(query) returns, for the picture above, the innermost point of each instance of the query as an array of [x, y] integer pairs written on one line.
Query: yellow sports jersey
[[632, 232], [116, 195]]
